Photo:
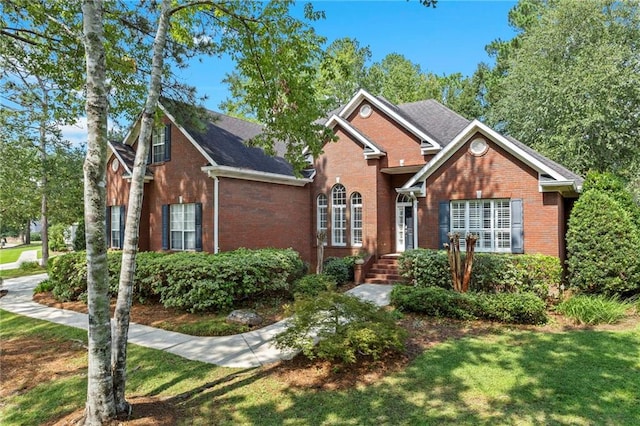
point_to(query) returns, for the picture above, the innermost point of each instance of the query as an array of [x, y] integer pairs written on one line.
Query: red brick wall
[[386, 133], [259, 215], [345, 160], [497, 174]]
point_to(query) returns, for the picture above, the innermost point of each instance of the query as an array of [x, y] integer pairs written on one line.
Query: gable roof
[[442, 123], [551, 175]]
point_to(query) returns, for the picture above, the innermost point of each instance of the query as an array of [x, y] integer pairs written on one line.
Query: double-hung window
[[339, 215], [356, 219], [157, 145], [322, 215], [489, 219], [115, 226], [183, 226]]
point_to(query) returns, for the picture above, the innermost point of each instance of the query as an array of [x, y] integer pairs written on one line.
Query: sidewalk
[[251, 349], [25, 256]]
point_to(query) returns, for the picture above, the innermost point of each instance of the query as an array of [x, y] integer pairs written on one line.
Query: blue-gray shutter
[[108, 225], [123, 218], [198, 226], [167, 142], [443, 223], [165, 227], [517, 226]]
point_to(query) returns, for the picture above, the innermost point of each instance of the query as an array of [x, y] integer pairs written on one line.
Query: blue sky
[[448, 39]]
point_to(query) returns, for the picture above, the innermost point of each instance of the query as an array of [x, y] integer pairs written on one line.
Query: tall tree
[[572, 90], [397, 79], [342, 71]]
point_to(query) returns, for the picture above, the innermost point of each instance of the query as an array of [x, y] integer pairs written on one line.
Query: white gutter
[[216, 205], [247, 174]]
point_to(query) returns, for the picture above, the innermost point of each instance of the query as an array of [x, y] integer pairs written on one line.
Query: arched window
[[339, 216], [356, 219], [322, 215]]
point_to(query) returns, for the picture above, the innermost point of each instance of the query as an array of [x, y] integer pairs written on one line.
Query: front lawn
[[11, 254], [502, 376]]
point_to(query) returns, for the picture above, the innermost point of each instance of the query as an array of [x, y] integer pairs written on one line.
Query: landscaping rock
[[241, 316]]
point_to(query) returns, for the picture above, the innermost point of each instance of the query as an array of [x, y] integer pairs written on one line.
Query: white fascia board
[[463, 137], [128, 177], [555, 186], [188, 136], [335, 120], [114, 152], [363, 94], [253, 175]]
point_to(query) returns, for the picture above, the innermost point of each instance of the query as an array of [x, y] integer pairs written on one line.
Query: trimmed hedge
[[193, 282], [340, 268], [514, 308], [492, 273], [602, 246]]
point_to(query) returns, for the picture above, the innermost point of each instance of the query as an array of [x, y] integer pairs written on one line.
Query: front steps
[[384, 271]]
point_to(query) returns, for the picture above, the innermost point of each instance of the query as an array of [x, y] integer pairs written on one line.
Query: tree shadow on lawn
[[582, 377]]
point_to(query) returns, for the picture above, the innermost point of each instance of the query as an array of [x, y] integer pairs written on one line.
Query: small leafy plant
[[339, 326]]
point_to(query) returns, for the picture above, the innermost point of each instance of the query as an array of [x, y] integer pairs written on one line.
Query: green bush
[[491, 273], [43, 287], [343, 327], [512, 308], [592, 310], [29, 266], [611, 185], [340, 268], [434, 302], [56, 237], [312, 285], [602, 247], [188, 281], [68, 275], [80, 240], [36, 236], [199, 282], [515, 308]]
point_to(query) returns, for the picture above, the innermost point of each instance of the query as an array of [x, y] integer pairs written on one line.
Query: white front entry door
[[405, 223]]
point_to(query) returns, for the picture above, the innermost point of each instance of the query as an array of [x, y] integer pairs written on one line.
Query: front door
[[404, 223]]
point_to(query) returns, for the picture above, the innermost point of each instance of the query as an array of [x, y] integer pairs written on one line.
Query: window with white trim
[[339, 215], [116, 226], [489, 219], [356, 219], [322, 212], [158, 145], [183, 226]]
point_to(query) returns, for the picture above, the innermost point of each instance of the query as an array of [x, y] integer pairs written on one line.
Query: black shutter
[[150, 154], [165, 227], [167, 142], [198, 226], [517, 227], [123, 218], [443, 223], [108, 226]]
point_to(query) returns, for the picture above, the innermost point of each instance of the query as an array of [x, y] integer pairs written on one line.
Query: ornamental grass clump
[[595, 309]]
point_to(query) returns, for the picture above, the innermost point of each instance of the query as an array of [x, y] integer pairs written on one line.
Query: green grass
[[15, 273], [216, 326], [11, 254], [516, 377], [591, 310]]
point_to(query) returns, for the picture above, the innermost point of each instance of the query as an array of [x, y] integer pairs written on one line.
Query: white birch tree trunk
[[134, 208], [100, 406]]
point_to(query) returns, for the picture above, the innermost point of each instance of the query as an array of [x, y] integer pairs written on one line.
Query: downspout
[[216, 193]]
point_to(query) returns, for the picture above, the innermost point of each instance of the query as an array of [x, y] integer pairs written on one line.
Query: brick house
[[398, 177]]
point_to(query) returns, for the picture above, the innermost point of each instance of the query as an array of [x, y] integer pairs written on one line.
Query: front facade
[[397, 178]]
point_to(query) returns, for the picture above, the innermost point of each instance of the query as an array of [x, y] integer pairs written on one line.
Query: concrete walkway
[[250, 349], [25, 256]]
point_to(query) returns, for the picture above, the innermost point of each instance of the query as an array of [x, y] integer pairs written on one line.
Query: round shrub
[[313, 285], [512, 308], [434, 302], [339, 268], [340, 326], [426, 268], [602, 247]]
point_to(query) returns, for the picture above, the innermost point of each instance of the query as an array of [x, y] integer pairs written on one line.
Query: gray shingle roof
[[225, 140], [436, 120]]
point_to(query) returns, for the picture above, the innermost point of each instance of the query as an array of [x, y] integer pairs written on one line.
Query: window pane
[[115, 226], [339, 217], [356, 219], [157, 146], [490, 220]]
